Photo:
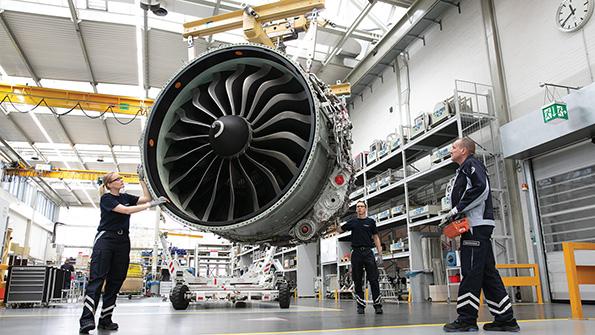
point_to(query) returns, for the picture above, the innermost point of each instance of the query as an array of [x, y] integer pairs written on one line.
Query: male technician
[[364, 235], [471, 196]]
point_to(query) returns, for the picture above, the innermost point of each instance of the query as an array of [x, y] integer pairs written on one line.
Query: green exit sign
[[555, 110]]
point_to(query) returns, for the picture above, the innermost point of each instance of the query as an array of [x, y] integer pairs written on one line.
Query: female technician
[[111, 249]]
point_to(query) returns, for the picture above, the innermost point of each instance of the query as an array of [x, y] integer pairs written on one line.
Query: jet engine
[[247, 145]]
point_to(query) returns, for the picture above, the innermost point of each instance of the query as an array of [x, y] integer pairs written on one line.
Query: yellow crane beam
[[235, 20], [32, 95], [92, 175]]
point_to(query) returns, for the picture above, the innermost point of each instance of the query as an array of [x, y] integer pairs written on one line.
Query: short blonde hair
[[108, 178]]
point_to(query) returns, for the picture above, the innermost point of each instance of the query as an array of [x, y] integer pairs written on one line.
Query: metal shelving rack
[[473, 117]]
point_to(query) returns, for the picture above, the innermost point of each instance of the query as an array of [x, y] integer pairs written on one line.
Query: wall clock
[[572, 15]]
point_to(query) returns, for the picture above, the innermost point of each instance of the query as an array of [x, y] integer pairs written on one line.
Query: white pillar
[[156, 241]]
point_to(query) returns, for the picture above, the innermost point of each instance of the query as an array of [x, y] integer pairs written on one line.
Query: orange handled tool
[[456, 228]]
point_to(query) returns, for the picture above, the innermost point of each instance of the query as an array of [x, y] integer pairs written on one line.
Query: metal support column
[[502, 114]]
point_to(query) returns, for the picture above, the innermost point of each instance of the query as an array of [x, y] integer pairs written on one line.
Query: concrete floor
[[153, 316]]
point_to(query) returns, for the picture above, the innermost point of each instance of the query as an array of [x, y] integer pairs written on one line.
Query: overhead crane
[[90, 175], [58, 98]]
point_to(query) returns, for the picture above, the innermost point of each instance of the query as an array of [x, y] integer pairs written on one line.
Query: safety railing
[[577, 275], [533, 280]]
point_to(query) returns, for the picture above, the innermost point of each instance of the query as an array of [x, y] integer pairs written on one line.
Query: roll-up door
[[565, 190]]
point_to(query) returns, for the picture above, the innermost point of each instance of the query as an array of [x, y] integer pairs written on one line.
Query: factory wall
[[457, 52], [534, 50]]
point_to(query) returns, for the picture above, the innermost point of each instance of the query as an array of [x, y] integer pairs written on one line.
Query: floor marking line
[[334, 330]]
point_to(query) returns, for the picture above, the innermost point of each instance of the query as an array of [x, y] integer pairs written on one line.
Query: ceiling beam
[[110, 144], [371, 16], [17, 47], [79, 34], [77, 28], [340, 30], [399, 3], [145, 52], [349, 31], [215, 12], [80, 202], [414, 14]]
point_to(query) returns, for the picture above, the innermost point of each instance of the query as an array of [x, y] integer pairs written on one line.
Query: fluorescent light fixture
[[4, 74], [97, 4], [89, 198], [81, 86], [48, 138]]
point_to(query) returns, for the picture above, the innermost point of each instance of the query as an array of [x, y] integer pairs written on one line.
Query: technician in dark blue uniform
[[111, 249], [471, 195], [364, 236]]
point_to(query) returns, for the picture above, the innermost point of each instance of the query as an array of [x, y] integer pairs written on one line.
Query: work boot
[[378, 309], [107, 324], [360, 310], [86, 326], [502, 326], [460, 326]]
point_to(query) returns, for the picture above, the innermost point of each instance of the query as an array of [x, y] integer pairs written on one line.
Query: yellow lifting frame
[[32, 95], [235, 20], [255, 32], [92, 175]]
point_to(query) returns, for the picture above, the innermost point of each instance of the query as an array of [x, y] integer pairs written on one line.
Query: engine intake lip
[[179, 87]]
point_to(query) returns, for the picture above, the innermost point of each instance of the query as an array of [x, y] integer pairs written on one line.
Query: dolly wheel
[[178, 297], [284, 295]]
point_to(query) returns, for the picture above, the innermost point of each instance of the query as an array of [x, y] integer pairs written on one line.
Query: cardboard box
[[438, 293], [132, 285]]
